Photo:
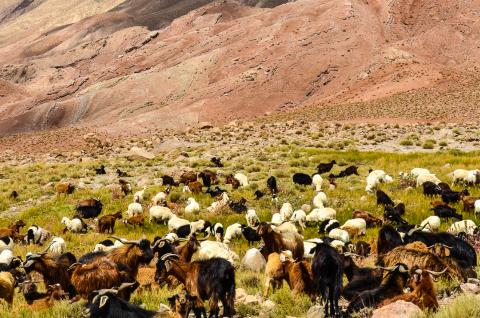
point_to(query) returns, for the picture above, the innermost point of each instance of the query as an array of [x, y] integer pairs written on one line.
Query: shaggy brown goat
[[107, 222], [195, 187], [299, 277], [54, 269], [13, 230], [423, 292], [64, 188], [7, 287], [234, 182], [186, 251], [420, 256], [181, 304], [469, 204], [135, 220], [54, 292], [277, 242], [369, 218], [99, 274], [188, 177], [274, 273]]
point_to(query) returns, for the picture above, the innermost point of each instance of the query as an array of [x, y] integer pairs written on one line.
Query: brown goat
[[188, 177], [135, 220], [371, 220], [54, 269], [277, 242], [13, 230], [469, 204], [299, 277], [438, 203], [195, 187], [185, 251], [420, 256], [64, 188], [99, 274], [274, 273], [54, 292], [181, 304], [107, 222], [234, 182], [7, 287], [423, 292]]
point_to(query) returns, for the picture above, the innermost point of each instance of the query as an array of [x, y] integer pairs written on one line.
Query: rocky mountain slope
[[135, 65]]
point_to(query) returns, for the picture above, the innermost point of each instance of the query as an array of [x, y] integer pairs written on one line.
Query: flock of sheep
[[408, 255]]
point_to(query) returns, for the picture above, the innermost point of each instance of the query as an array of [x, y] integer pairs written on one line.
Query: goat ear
[[447, 251], [103, 301], [168, 265]]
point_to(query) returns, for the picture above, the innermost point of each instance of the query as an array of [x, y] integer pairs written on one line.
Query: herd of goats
[[408, 256]]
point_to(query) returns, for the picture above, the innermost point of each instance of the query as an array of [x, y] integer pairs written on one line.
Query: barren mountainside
[[138, 64]]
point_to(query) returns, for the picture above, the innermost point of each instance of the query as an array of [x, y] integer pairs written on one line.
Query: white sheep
[[285, 227], [459, 175], [300, 217], [192, 206], [197, 226], [6, 243], [175, 222], [431, 224], [242, 179], [57, 246], [233, 231], [376, 177], [6, 257], [415, 172], [320, 200], [138, 196], [251, 217], [467, 226], [107, 248], [317, 182], [286, 210], [253, 260], [277, 219], [213, 249], [160, 214], [477, 207], [321, 214], [134, 209], [339, 234], [359, 224], [421, 179], [74, 225], [159, 198], [308, 245], [217, 206]]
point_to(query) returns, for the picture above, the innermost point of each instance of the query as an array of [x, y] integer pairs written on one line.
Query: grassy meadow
[[38, 204]]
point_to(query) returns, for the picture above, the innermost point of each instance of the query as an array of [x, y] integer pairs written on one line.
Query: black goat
[[453, 196], [359, 279], [383, 199], [14, 195], [327, 269], [259, 194], [167, 180], [272, 185], [392, 286], [326, 226], [100, 170], [238, 206], [325, 167], [302, 179], [394, 214], [89, 208], [351, 170], [431, 189], [217, 162], [106, 303], [388, 239], [122, 174], [250, 235], [215, 192], [362, 248], [446, 212], [444, 186]]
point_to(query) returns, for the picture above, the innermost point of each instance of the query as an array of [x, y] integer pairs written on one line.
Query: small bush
[[406, 142], [428, 145]]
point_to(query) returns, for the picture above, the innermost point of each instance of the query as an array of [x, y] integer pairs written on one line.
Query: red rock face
[[171, 64]]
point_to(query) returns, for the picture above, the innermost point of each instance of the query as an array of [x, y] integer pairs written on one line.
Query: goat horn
[[205, 238], [158, 242], [73, 266], [46, 250], [351, 254], [391, 268], [182, 239], [102, 292], [168, 255], [401, 269], [443, 245], [125, 285], [437, 273], [125, 241], [415, 229]]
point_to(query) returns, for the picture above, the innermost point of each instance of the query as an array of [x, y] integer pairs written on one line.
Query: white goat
[[192, 206], [175, 222], [320, 200], [317, 182], [233, 231], [74, 225], [134, 209], [299, 217], [57, 246], [251, 217], [160, 214]]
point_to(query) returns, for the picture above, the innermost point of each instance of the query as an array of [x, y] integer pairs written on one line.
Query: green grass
[[34, 182]]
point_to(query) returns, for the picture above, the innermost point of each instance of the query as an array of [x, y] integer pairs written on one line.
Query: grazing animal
[[217, 162], [469, 204], [64, 188], [233, 231], [89, 208], [250, 235], [212, 279], [14, 195], [133, 209], [169, 181], [75, 225], [188, 177], [57, 246], [359, 278], [327, 269], [121, 174], [369, 218], [321, 214], [100, 170], [54, 292], [192, 206], [431, 224], [215, 192], [252, 218], [259, 194], [326, 226], [277, 242], [272, 185], [238, 206], [233, 181], [350, 170], [453, 196], [325, 167], [302, 179], [7, 287], [431, 189], [37, 235], [383, 199], [181, 304], [317, 182], [195, 187], [138, 219], [388, 239], [106, 223], [160, 214], [106, 303], [391, 286], [208, 178], [125, 186], [274, 273], [446, 212]]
